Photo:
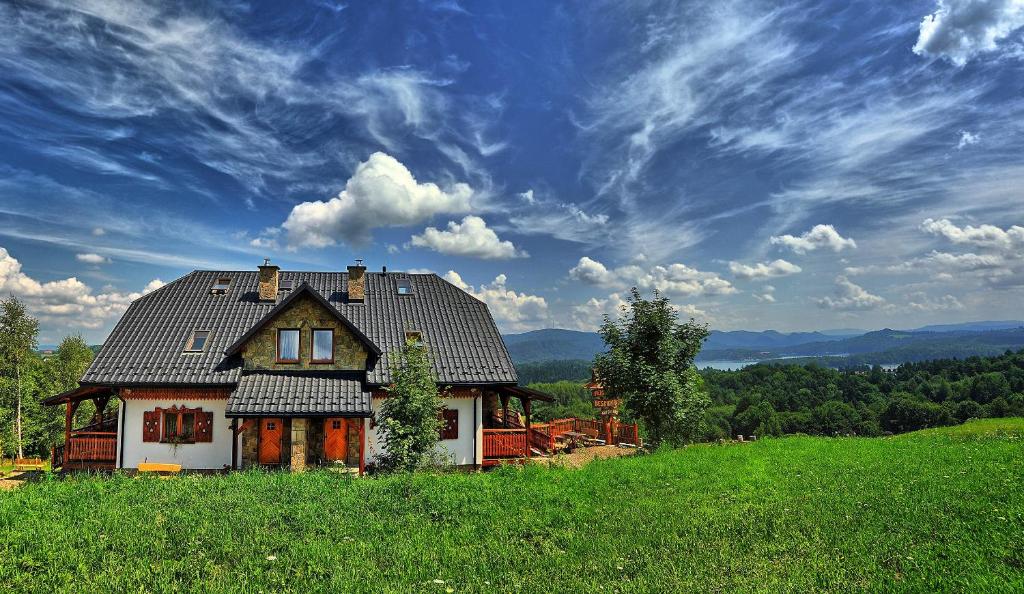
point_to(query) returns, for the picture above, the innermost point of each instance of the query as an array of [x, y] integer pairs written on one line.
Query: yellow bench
[[26, 464], [159, 467]]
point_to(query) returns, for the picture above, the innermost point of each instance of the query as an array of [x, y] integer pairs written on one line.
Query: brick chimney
[[356, 282], [269, 277]]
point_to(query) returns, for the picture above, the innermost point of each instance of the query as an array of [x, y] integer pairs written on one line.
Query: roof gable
[[303, 289]]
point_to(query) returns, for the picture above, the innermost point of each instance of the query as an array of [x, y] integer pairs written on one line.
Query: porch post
[[68, 415], [362, 446], [504, 410], [298, 453], [526, 409]]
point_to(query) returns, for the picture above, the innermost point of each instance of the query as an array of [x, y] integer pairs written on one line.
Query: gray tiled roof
[[146, 347], [293, 394]]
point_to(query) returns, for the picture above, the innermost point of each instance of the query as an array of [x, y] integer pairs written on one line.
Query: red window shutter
[[204, 427], [450, 429], [151, 425]]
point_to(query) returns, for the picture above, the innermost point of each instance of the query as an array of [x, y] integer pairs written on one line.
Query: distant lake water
[[724, 365]]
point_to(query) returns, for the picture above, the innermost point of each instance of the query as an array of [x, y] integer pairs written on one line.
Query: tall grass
[[935, 510]]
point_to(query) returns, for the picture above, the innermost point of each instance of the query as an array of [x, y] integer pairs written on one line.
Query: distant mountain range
[[881, 346]]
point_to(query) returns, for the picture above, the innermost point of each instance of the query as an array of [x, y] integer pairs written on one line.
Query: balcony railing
[[505, 443]]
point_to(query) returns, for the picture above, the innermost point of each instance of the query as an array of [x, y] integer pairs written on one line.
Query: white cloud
[[819, 237], [672, 279], [68, 302], [849, 297], [959, 30], [589, 316], [513, 311], [382, 192], [985, 236], [99, 231], [967, 139], [764, 270], [472, 237], [922, 302], [563, 220], [92, 259], [767, 295]]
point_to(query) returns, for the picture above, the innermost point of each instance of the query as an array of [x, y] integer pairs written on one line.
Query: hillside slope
[[939, 510]]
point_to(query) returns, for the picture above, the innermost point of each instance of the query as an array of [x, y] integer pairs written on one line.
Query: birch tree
[[18, 333]]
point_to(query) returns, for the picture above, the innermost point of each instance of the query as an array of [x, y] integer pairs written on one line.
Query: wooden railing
[[505, 443], [627, 434], [86, 446], [542, 440]]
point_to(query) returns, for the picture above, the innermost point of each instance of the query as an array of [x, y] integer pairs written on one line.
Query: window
[[414, 337], [288, 345], [221, 286], [450, 428], [177, 425], [286, 285], [335, 424], [197, 342], [404, 286], [323, 346]]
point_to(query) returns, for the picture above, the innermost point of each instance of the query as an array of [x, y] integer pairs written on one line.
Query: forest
[[773, 399], [27, 376]]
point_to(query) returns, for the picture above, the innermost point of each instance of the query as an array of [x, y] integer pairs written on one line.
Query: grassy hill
[[934, 510]]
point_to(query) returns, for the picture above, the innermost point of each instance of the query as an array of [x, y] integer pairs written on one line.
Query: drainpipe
[[120, 434]]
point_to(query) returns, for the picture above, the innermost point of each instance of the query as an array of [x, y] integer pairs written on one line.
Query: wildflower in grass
[[271, 557]]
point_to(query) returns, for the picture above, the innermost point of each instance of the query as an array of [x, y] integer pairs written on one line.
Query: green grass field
[[939, 510]]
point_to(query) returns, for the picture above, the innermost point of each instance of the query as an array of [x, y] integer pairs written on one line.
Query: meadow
[[935, 510]]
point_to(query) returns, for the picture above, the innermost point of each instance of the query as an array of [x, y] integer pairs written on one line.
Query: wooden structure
[[92, 447], [509, 438]]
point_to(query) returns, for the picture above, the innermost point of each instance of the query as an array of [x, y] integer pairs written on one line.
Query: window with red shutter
[[151, 425], [450, 428]]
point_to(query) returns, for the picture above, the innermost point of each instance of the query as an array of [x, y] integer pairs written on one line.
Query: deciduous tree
[[18, 332], [409, 417]]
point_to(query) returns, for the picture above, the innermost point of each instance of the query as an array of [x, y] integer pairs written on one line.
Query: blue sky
[[789, 166]]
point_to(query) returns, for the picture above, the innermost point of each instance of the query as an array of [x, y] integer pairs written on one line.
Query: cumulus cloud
[[959, 30], [672, 279], [819, 237], [513, 311], [922, 302], [382, 192], [763, 270], [472, 237], [68, 302], [850, 297], [590, 314], [92, 259], [985, 236]]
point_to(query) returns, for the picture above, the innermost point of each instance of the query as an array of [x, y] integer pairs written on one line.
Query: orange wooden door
[[335, 438], [271, 431]]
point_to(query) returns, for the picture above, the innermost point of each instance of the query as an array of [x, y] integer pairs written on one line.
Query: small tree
[[409, 418], [18, 332], [649, 366]]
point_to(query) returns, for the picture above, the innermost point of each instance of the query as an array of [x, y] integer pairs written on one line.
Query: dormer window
[[288, 345], [221, 286], [404, 286], [197, 342], [414, 337]]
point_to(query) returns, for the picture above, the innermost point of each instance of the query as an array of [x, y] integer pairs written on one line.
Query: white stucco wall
[[467, 449], [205, 456]]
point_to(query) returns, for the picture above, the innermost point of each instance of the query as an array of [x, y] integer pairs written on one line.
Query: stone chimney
[[357, 282], [269, 277]]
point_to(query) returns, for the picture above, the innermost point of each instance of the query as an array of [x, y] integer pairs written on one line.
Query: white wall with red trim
[[214, 455]]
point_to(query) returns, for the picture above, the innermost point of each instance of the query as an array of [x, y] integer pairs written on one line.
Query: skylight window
[[287, 284], [404, 286], [222, 285], [197, 342], [414, 337]]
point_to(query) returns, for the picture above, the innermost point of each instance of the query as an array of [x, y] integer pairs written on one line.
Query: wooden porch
[[92, 447], [511, 437]]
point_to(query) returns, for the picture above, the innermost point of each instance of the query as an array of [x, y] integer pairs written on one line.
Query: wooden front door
[[271, 431], [335, 439]]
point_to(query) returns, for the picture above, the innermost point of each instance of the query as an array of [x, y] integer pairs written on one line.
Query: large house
[[223, 370]]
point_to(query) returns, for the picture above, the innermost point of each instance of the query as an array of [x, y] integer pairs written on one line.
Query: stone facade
[[305, 314], [250, 445], [268, 282], [298, 446]]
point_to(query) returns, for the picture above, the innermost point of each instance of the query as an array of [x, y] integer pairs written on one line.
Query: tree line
[[26, 377]]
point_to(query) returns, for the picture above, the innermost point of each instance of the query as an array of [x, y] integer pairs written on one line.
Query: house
[[226, 370]]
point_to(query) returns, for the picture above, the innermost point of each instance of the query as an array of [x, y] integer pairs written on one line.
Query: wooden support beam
[[362, 446], [526, 409], [241, 428], [504, 410]]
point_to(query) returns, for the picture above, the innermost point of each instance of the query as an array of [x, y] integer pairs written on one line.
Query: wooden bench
[[27, 464], [159, 468]]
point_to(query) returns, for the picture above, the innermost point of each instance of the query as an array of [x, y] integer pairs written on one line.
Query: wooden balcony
[[86, 450], [503, 444]]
